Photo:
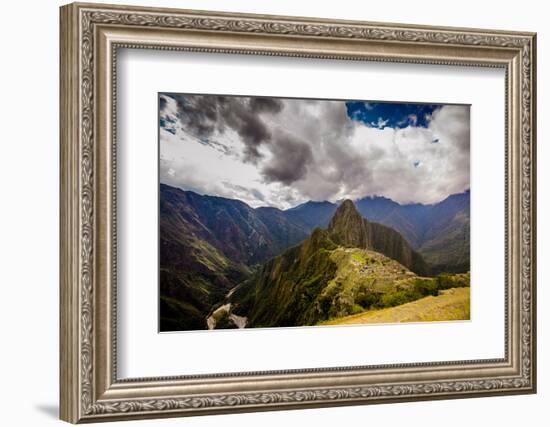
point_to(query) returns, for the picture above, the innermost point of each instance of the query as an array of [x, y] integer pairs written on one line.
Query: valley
[[222, 316]]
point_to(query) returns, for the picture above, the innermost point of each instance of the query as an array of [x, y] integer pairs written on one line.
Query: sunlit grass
[[450, 304]]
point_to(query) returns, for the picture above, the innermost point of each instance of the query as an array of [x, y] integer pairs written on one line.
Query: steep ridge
[[282, 292], [440, 232], [348, 228], [193, 273], [241, 233], [331, 273], [207, 247]]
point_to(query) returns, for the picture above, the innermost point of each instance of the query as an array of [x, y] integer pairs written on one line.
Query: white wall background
[[29, 170]]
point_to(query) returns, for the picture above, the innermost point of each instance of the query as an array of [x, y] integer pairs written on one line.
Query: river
[[238, 321]]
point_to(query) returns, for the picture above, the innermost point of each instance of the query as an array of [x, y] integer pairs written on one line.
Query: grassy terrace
[[450, 304]]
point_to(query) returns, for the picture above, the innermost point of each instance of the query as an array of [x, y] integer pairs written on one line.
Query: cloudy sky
[[282, 152]]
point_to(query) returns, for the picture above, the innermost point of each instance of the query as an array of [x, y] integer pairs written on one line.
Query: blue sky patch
[[393, 115]]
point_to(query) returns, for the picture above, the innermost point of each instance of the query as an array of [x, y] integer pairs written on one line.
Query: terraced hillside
[[337, 273]]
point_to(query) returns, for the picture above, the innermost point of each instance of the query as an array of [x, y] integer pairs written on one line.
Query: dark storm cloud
[[289, 162], [266, 105], [202, 115], [162, 103]]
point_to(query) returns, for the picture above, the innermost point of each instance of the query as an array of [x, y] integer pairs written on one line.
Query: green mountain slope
[[243, 234], [194, 274], [349, 228], [282, 292], [319, 282], [334, 273], [208, 245]]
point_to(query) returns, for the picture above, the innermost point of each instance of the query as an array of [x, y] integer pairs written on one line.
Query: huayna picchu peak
[[351, 266], [348, 228]]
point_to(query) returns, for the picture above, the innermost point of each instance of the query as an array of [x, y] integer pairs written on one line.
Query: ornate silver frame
[[90, 36]]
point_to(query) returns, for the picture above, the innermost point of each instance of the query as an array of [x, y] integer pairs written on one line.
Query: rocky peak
[[347, 227], [347, 205], [345, 215]]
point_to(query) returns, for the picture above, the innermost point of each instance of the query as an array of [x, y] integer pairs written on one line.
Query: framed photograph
[[249, 239], [266, 212]]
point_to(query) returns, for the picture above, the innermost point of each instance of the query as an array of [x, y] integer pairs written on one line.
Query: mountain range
[[209, 245], [439, 231], [335, 272]]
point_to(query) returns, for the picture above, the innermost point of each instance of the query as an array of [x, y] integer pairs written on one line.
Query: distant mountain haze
[[312, 214], [440, 232]]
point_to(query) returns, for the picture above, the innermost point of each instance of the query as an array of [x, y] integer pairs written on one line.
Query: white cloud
[[313, 151]]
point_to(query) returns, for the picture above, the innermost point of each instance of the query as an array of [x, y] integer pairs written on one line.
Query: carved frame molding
[[90, 37]]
